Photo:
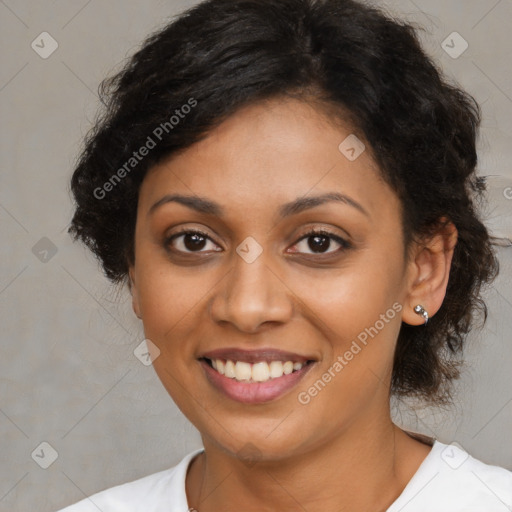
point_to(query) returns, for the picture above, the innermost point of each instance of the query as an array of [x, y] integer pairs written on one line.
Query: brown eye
[[189, 241], [319, 242]]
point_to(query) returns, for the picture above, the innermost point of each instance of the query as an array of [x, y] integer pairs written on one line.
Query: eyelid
[[188, 230], [321, 231]]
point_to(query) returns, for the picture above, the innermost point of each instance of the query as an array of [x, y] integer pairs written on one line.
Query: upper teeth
[[258, 372]]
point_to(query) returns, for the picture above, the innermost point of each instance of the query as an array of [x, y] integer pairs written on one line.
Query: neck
[[365, 468]]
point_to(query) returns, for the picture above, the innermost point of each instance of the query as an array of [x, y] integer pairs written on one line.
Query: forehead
[[270, 152]]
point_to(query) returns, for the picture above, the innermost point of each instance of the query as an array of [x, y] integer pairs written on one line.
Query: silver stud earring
[[420, 310]]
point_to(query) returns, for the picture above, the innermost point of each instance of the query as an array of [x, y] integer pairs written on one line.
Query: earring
[[420, 310]]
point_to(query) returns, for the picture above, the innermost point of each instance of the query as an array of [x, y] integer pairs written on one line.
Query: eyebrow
[[208, 207]]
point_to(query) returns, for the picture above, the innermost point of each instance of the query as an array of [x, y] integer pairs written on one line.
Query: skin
[[341, 451]]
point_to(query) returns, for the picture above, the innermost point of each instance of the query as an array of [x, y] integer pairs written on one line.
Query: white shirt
[[448, 480]]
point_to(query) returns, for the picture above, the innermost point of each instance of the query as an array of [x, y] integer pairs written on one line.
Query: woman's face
[[253, 284]]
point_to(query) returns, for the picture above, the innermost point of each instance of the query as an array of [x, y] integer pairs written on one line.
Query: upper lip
[[255, 356]]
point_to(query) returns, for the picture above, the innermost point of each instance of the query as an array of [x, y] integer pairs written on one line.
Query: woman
[[288, 189]]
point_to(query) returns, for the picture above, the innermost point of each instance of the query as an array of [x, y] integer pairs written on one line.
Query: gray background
[[68, 375]]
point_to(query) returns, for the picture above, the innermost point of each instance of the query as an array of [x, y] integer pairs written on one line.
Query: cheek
[[170, 307], [167, 294], [346, 301], [356, 312]]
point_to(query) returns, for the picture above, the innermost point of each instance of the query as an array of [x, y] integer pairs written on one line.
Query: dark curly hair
[[354, 62]]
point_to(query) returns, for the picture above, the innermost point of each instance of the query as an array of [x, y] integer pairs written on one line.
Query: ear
[[133, 290], [428, 272]]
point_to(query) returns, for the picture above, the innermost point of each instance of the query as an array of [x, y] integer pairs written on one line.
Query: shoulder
[[451, 480], [160, 491]]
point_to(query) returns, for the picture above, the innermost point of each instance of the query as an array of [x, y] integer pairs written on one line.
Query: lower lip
[[254, 392]]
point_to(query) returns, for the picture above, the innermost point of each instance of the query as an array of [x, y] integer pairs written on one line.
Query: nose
[[251, 295]]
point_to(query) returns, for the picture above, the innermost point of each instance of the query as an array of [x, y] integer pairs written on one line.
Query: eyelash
[[344, 244]]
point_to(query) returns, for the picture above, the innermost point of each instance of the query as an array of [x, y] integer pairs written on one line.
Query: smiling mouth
[[258, 372]]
